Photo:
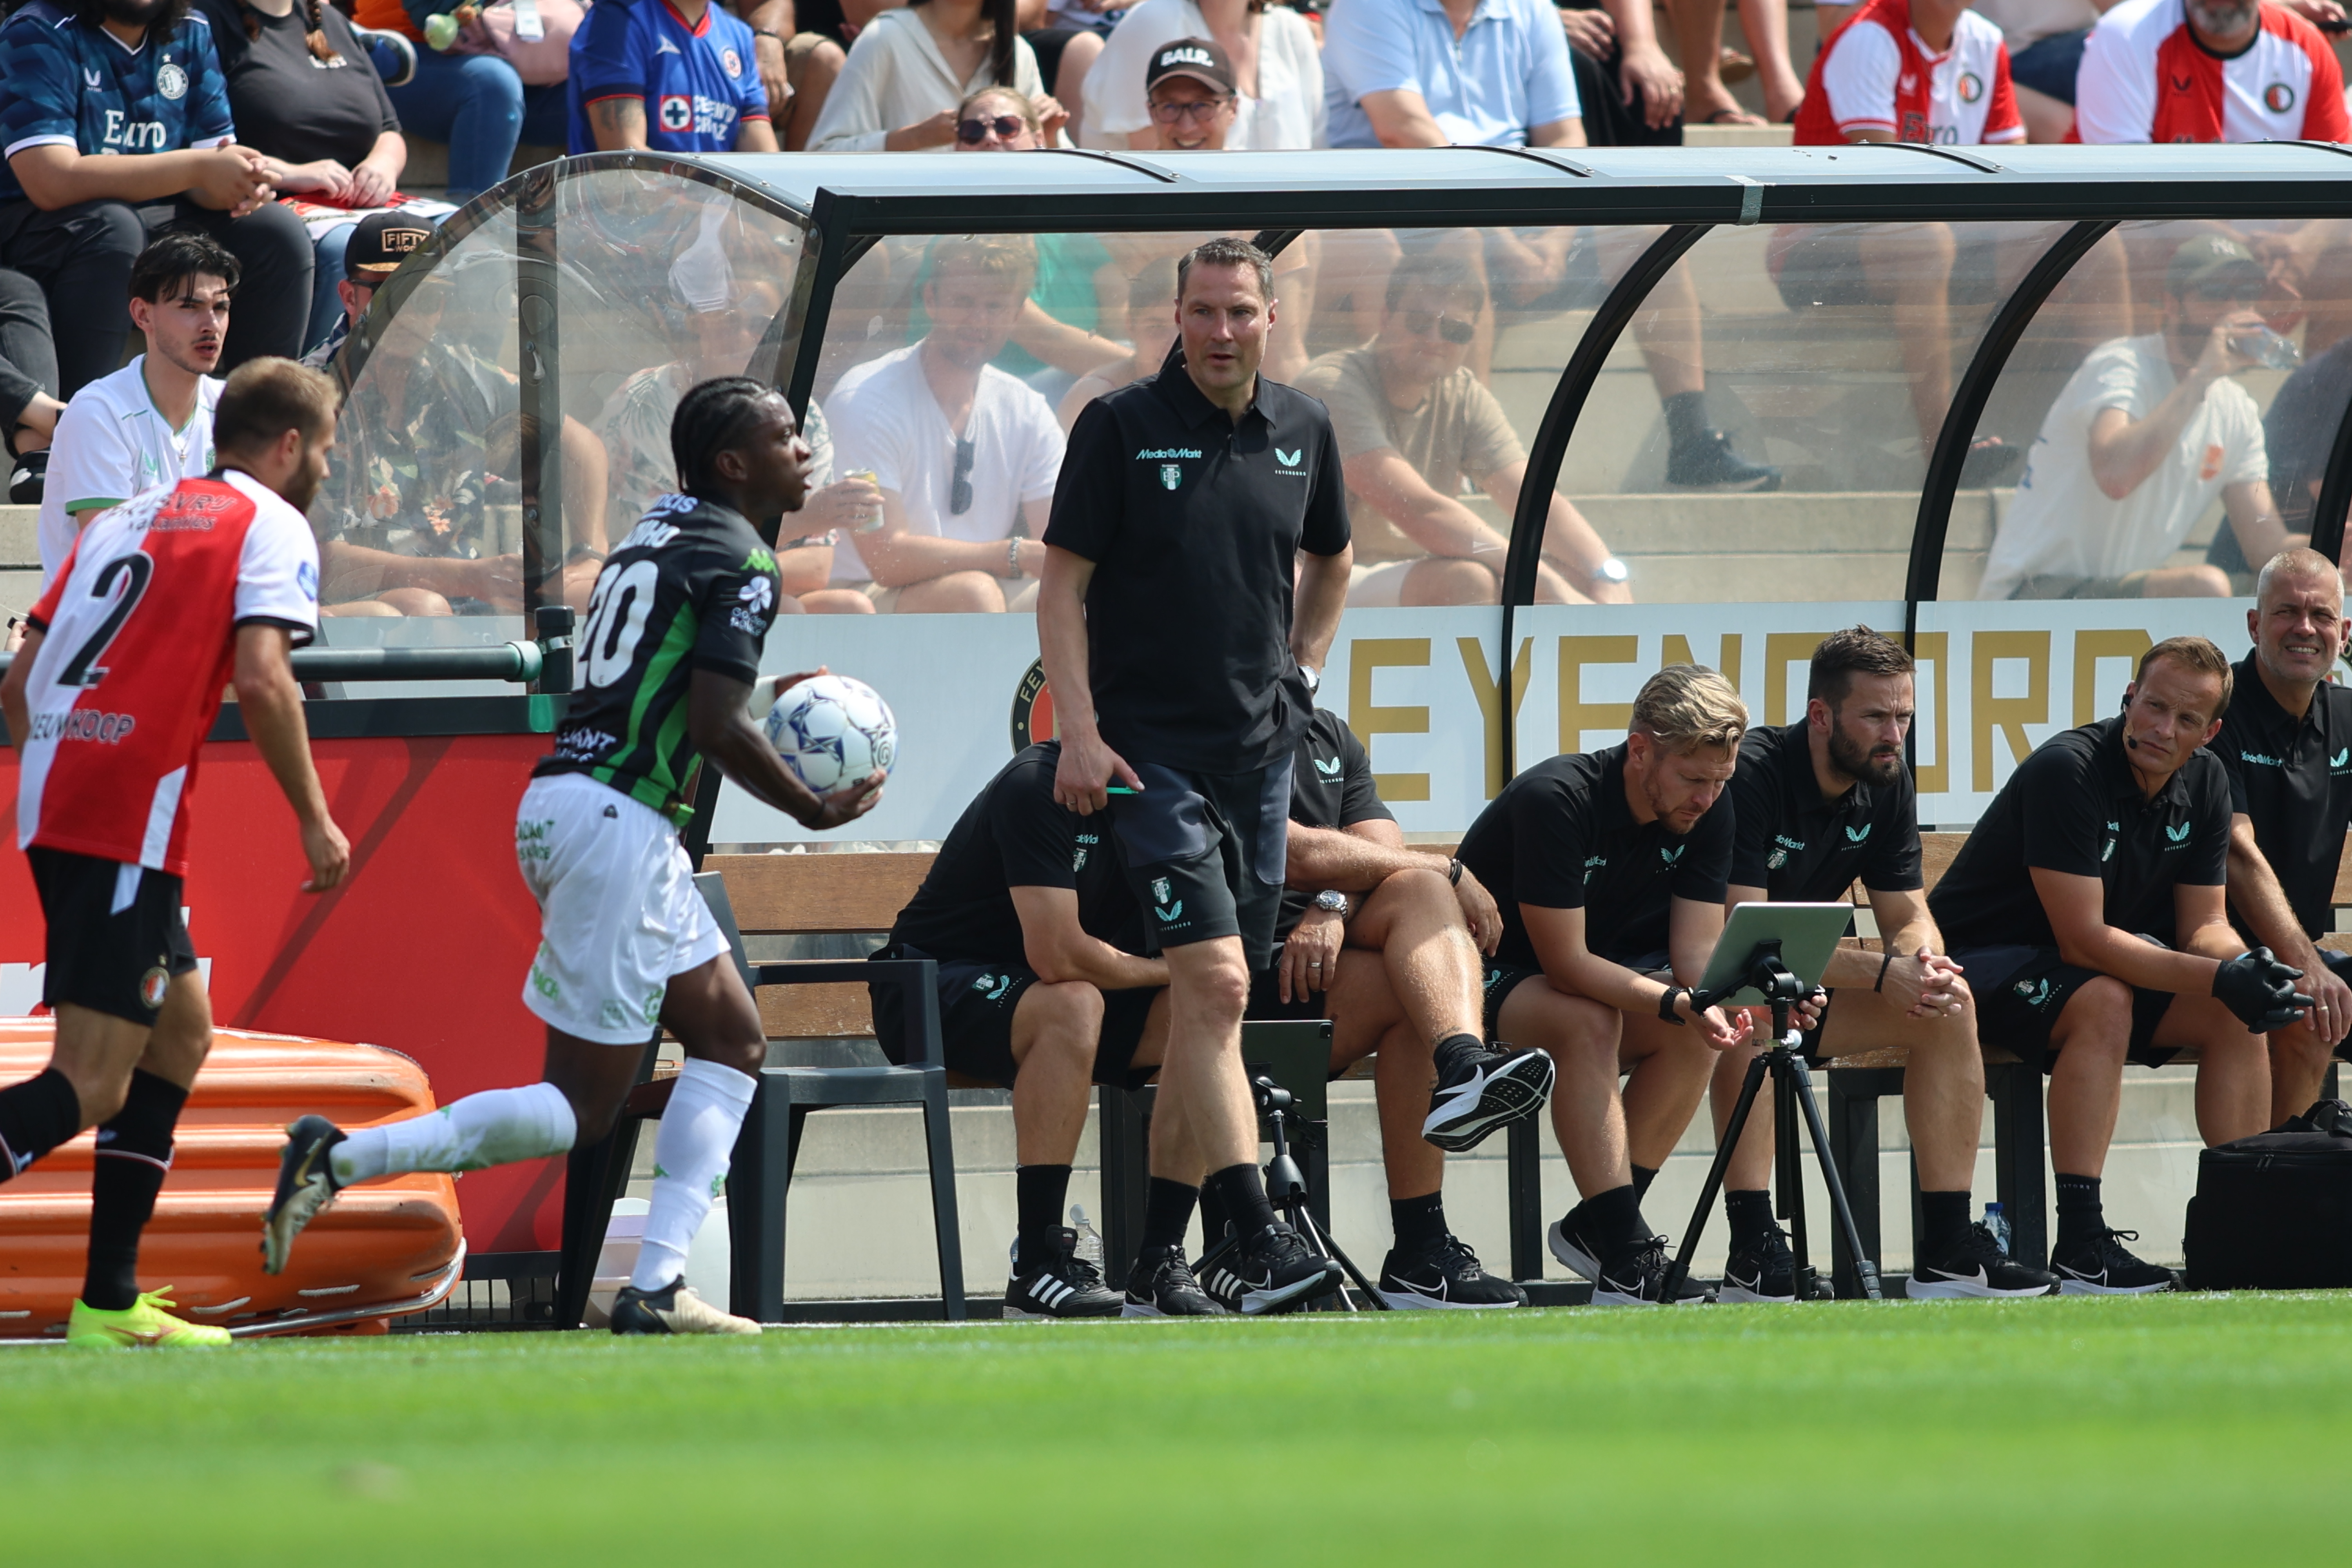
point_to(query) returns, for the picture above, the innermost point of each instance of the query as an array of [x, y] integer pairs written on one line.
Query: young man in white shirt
[[965, 455], [2147, 432], [150, 423]]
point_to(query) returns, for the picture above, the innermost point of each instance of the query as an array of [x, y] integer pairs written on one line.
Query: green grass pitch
[[2167, 1429]]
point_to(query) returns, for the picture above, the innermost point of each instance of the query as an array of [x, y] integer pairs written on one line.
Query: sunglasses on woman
[[973, 132]]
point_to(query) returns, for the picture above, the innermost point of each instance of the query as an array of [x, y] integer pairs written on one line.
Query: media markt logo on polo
[[1171, 475]]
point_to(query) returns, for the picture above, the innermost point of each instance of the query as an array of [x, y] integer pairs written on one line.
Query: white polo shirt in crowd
[[2145, 78], [2063, 525], [1507, 74], [113, 442], [884, 419]]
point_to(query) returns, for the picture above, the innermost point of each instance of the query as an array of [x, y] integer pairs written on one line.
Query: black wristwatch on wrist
[[1666, 1003]]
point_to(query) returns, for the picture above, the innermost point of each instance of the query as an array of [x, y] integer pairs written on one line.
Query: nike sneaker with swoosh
[[1062, 1284], [2104, 1267], [1273, 1271], [1487, 1089], [306, 1185], [674, 1308], [1639, 1279], [1445, 1275], [1976, 1268], [1162, 1286], [1760, 1269], [146, 1322]]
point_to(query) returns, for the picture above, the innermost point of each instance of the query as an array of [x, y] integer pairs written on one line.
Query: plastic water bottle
[[1997, 1223], [1091, 1242]]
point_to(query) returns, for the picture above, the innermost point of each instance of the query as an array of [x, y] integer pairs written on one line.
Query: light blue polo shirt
[[1508, 72]]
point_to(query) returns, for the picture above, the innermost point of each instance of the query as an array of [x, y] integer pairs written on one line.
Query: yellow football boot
[[145, 1321]]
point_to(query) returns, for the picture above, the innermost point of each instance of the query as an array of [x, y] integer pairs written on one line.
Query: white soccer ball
[[832, 731]]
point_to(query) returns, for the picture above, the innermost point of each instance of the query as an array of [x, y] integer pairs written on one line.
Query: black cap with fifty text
[[1198, 58], [380, 244]]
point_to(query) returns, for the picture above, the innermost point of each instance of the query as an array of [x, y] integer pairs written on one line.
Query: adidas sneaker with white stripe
[[1063, 1285]]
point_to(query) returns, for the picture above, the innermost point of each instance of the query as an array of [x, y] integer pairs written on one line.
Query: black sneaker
[[675, 1309], [2102, 1267], [1708, 463], [29, 480], [1975, 1267], [1445, 1275], [306, 1185], [1162, 1286], [1063, 1285], [1761, 1268], [1271, 1272], [1486, 1090], [1638, 1279], [1574, 1244]]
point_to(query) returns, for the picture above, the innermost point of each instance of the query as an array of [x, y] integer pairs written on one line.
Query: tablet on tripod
[[1808, 934]]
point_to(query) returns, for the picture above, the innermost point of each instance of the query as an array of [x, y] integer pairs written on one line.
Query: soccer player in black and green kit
[[668, 662]]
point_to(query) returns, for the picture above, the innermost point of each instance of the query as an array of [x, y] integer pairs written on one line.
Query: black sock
[[36, 1116], [1167, 1214], [1686, 418], [1418, 1222], [1943, 1224], [1642, 1177], [1616, 1220], [1041, 1193], [1242, 1189], [134, 1150], [1452, 1051], [2080, 1217], [1749, 1212]]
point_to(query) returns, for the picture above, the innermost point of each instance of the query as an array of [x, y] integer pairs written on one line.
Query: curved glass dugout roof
[[1525, 330]]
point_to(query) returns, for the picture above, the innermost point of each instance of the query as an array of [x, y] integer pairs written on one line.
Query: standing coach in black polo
[[1186, 502], [2286, 744], [2088, 911]]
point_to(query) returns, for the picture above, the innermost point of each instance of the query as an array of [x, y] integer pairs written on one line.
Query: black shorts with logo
[[1497, 981], [1205, 854], [115, 935], [976, 1006], [2020, 991]]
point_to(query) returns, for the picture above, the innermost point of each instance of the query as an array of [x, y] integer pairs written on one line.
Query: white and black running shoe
[[1445, 1275], [306, 1185], [1761, 1269], [675, 1309], [1273, 1271], [1486, 1090], [1638, 1279], [1576, 1244], [1062, 1284], [2104, 1267], [1976, 1269], [1162, 1286]]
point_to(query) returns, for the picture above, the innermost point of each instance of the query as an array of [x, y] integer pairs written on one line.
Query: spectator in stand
[[1267, 66], [965, 454], [1698, 29], [2044, 39], [997, 119], [1190, 95], [803, 45], [1153, 326], [1630, 93], [2299, 435], [307, 99], [1413, 424], [1067, 37], [28, 377], [117, 121], [378, 244], [2208, 70], [150, 423], [476, 103], [911, 68], [2139, 442], [667, 76]]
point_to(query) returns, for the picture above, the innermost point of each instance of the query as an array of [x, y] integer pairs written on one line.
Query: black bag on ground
[[2273, 1212]]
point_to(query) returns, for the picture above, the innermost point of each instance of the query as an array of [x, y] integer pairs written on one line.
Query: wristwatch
[[1313, 677], [1333, 901], [1611, 571]]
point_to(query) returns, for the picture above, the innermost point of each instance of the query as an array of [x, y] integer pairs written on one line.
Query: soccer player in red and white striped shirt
[[166, 600], [2207, 71]]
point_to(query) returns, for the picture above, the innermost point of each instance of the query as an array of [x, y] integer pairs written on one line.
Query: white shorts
[[1379, 585], [619, 913]]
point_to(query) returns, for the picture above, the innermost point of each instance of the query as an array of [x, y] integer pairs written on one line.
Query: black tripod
[[1286, 1189], [1791, 1082]]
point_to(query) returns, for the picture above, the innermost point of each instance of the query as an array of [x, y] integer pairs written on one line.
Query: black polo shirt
[[1801, 849], [1330, 786], [1193, 522], [1560, 836], [2074, 806], [1014, 835], [2293, 778]]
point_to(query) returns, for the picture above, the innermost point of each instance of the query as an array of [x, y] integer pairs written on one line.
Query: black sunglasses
[[960, 487], [1421, 323], [973, 132]]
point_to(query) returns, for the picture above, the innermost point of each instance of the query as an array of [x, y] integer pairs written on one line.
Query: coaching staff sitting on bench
[[1026, 911], [1610, 869], [1385, 941], [2086, 909], [1187, 501], [1820, 805], [2286, 744]]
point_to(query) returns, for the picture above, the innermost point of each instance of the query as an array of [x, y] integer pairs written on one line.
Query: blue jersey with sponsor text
[[699, 81], [68, 85]]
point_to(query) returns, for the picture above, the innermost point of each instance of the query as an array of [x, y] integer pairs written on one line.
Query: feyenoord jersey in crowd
[[1876, 74], [2145, 78], [700, 83], [139, 637], [65, 83], [692, 587]]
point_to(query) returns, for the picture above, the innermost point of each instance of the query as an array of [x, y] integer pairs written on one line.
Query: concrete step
[[19, 541]]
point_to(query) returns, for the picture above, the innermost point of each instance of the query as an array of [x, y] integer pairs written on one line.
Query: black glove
[[2261, 991]]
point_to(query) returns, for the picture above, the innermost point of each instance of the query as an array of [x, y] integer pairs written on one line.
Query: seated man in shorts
[[2088, 911], [1022, 910], [1413, 423], [1610, 869], [1384, 943]]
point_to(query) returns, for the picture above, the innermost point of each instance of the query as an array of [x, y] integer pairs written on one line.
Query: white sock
[[697, 1135], [496, 1127]]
